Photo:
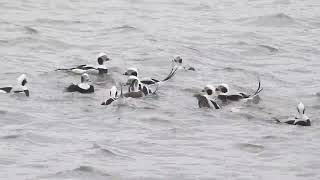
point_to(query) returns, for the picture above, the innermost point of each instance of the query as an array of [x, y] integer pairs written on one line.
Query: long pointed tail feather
[[259, 89], [171, 74]]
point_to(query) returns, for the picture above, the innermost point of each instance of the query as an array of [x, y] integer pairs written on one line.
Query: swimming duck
[[99, 69], [83, 87]]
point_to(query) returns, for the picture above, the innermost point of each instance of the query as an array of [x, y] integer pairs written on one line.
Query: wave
[[274, 20], [13, 136], [125, 28], [81, 172], [107, 151], [58, 21], [30, 30], [251, 147], [270, 48]]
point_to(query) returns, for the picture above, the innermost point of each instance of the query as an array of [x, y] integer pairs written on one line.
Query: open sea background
[[55, 135]]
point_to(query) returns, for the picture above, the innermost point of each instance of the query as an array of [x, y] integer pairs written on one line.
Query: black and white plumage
[[113, 96], [20, 89], [301, 119], [5, 89], [22, 83], [83, 87], [136, 89], [139, 88], [98, 69], [222, 93], [204, 101], [177, 61], [150, 81]]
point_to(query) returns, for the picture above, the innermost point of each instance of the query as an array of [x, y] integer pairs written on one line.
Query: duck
[[22, 83], [83, 87], [150, 81], [205, 101], [113, 96], [136, 89], [99, 69], [301, 119], [222, 93], [177, 61]]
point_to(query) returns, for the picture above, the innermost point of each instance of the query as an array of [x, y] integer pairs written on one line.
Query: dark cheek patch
[[209, 92], [134, 74], [100, 61], [24, 82], [224, 89]]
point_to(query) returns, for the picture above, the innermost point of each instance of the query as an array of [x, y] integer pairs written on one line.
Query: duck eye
[[209, 92], [116, 93]]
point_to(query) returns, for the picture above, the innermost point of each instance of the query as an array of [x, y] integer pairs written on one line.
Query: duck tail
[[259, 89], [63, 69], [171, 74]]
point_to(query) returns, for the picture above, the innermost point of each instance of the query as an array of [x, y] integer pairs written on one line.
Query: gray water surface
[[58, 135]]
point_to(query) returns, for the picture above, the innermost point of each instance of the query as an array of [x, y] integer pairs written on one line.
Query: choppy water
[[57, 135]]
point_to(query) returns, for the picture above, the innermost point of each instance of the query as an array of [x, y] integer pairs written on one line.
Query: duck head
[[131, 72], [208, 90], [85, 78], [222, 89], [302, 112], [102, 57]]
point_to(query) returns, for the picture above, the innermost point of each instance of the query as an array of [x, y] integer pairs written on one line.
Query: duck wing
[[203, 102], [108, 102], [72, 88], [6, 89]]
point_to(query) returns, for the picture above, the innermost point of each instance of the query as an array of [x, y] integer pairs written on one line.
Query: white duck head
[[134, 84], [84, 81], [301, 110], [131, 72], [102, 57], [22, 81], [222, 89], [208, 90]]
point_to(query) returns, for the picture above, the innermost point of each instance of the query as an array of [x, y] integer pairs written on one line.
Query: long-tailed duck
[[301, 119], [113, 96], [222, 93], [150, 81], [22, 82], [83, 87], [99, 69]]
